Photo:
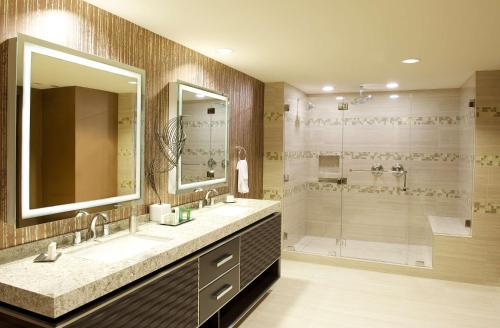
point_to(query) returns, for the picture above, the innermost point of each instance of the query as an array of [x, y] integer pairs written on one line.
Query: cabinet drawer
[[215, 295], [218, 261]]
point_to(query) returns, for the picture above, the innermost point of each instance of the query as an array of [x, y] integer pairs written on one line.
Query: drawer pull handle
[[220, 294], [224, 260]]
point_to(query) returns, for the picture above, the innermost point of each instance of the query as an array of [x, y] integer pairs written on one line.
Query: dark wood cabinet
[[260, 247], [259, 269], [168, 301], [213, 288]]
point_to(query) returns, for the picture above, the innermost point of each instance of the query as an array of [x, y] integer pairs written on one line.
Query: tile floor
[[312, 295]]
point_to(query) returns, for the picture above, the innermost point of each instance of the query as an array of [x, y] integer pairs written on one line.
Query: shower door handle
[[338, 181], [404, 181], [341, 181]]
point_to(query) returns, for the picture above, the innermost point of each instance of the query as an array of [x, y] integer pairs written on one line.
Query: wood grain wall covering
[[81, 26]]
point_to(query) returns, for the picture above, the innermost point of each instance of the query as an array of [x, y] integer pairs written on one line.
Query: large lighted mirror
[[79, 130], [204, 116]]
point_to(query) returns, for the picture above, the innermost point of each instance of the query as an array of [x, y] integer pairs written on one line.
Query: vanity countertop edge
[[54, 289]]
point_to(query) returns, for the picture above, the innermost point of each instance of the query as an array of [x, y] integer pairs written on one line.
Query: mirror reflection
[[204, 156], [82, 133]]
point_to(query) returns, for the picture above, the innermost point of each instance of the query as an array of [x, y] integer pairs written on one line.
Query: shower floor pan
[[414, 255]]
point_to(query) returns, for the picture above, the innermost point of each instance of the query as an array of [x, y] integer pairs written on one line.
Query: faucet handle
[[81, 213], [200, 202]]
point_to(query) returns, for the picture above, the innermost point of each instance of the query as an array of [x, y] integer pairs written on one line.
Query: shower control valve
[[398, 170], [377, 169]]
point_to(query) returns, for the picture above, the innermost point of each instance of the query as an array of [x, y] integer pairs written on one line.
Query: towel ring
[[240, 151]]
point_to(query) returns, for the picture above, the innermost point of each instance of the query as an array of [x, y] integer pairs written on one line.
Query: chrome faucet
[[200, 202], [208, 197], [92, 226]]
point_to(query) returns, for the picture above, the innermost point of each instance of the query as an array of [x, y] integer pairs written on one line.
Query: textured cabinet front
[[260, 247], [170, 301]]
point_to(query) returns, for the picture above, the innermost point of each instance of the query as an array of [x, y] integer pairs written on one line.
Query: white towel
[[242, 167]]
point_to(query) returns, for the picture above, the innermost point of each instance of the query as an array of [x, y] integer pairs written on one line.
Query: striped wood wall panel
[[81, 26]]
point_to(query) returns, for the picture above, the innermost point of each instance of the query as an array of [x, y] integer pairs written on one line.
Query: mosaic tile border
[[273, 116], [272, 194], [392, 121], [493, 111], [204, 124], [349, 155], [486, 208], [444, 120], [414, 192], [488, 160], [273, 156], [302, 154], [295, 189], [314, 122], [186, 152]]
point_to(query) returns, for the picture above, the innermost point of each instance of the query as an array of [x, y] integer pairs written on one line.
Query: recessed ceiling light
[[392, 85], [132, 82], [339, 98], [410, 61], [199, 95], [394, 96], [224, 51], [328, 88]]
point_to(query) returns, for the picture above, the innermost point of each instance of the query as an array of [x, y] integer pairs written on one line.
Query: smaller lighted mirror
[[205, 120]]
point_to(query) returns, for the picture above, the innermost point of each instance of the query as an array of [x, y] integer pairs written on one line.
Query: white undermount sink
[[119, 249]]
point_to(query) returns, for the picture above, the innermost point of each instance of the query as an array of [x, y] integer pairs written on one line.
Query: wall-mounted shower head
[[310, 105], [361, 99]]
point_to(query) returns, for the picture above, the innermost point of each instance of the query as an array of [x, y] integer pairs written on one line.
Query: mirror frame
[[21, 48], [175, 185]]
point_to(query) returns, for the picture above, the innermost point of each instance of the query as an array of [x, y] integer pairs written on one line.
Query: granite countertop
[[53, 289]]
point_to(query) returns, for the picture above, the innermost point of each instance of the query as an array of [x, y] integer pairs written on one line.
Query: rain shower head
[[361, 99]]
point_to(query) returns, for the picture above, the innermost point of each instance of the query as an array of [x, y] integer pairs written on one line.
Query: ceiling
[[49, 72], [311, 43]]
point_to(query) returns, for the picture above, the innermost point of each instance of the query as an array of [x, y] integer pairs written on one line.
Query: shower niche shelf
[[329, 168]]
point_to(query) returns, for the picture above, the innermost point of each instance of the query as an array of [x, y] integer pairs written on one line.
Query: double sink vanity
[[69, 109], [205, 273]]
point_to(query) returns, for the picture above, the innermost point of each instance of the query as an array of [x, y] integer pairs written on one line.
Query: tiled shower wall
[[296, 168], [429, 132]]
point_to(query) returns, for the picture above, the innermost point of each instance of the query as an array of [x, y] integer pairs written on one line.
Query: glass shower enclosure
[[364, 182]]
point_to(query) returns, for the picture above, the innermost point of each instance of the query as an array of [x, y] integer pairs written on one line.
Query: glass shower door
[[375, 206], [312, 166]]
